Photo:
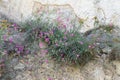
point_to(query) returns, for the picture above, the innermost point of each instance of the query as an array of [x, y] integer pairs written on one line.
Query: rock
[[108, 77], [93, 71], [20, 66], [117, 66], [107, 50], [116, 77], [19, 77], [24, 76], [98, 74], [14, 61], [115, 54]]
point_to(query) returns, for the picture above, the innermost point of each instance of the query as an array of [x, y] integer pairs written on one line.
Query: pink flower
[[78, 55], [71, 35], [68, 19], [15, 28], [63, 59], [110, 24], [5, 52], [90, 46], [5, 37], [56, 44], [10, 40], [41, 34], [46, 39], [46, 61], [20, 48], [14, 25], [49, 78], [41, 44], [65, 32], [65, 37], [81, 42], [64, 25], [59, 20], [62, 55], [27, 51]]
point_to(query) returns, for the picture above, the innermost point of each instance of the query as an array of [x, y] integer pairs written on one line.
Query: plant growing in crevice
[[63, 45], [70, 47], [106, 37]]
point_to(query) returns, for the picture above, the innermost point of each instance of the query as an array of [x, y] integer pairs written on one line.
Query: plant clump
[[64, 45]]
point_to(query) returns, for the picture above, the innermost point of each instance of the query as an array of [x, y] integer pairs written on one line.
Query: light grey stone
[[117, 65], [19, 66], [107, 50]]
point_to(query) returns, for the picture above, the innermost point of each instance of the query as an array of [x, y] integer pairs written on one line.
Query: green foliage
[[107, 28], [64, 45], [69, 47]]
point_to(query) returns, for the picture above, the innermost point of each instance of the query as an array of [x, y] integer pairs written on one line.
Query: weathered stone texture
[[107, 11]]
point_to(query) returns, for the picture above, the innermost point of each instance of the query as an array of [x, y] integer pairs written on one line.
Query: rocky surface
[[40, 67]]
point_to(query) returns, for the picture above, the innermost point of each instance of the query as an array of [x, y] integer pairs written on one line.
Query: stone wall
[[107, 11], [17, 10]]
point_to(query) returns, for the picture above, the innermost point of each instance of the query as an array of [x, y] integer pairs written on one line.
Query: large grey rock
[[19, 66], [107, 50], [117, 66], [93, 71]]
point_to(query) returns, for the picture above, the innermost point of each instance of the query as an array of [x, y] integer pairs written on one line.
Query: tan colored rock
[[19, 66], [93, 71], [117, 65]]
